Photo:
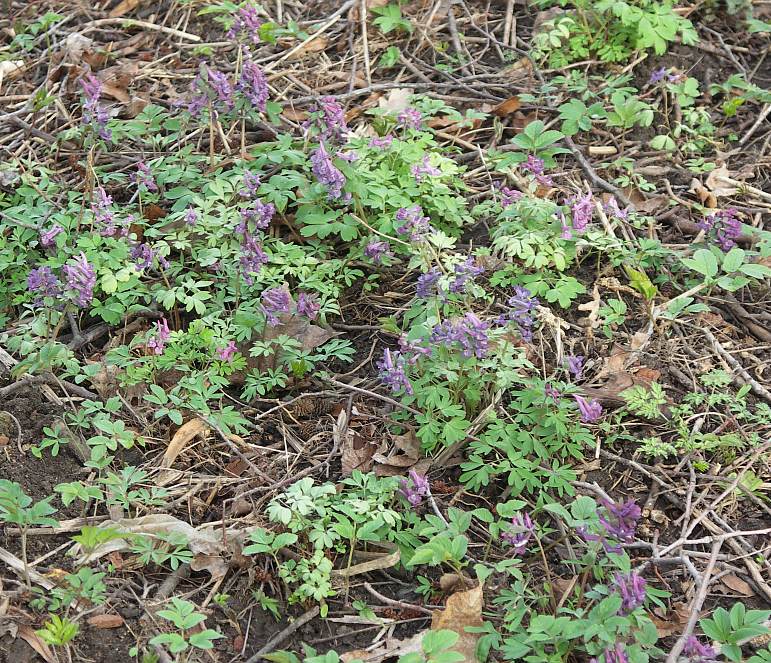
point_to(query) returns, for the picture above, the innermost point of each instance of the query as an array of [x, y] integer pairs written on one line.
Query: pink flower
[[590, 411], [226, 353]]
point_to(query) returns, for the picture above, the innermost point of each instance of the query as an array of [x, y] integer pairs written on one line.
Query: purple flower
[[377, 250], [250, 182], [612, 209], [521, 312], [470, 333], [631, 588], [520, 534], [567, 232], [675, 77], [621, 521], [535, 166], [93, 113], [427, 283], [591, 411], [327, 173], [105, 216], [575, 365], [308, 305], [550, 391], [410, 118], [347, 155], [657, 75], [582, 209], [47, 237], [143, 256], [382, 143], [464, 272], [157, 342], [191, 217], [260, 214], [420, 170], [222, 88], [226, 353], [696, 652], [247, 22], [412, 221], [81, 280], [415, 488], [392, 371], [43, 282], [143, 178], [327, 119], [253, 85], [617, 654], [252, 256], [723, 227], [412, 349], [275, 301], [509, 196]]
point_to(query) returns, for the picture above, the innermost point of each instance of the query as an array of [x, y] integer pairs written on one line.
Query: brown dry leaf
[[736, 584], [181, 439], [463, 609], [105, 621], [507, 107], [450, 581], [117, 79], [124, 7], [650, 205], [409, 444], [647, 374], [616, 362], [392, 649], [214, 564], [384, 562], [356, 450], [706, 197], [592, 308], [29, 636], [396, 100], [355, 13], [719, 181], [315, 45], [11, 69], [4, 440], [294, 115], [201, 541]]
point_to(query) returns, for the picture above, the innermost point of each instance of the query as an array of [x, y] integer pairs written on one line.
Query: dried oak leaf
[[463, 609]]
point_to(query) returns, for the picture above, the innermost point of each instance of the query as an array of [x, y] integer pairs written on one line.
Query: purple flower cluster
[[618, 523], [328, 174], [48, 237], [535, 166], [226, 353], [590, 411], [427, 283], [521, 312], [724, 227], [157, 342], [575, 365], [377, 250], [613, 210], [550, 391], [144, 255], [93, 113], [308, 305], [631, 588], [44, 283], [250, 183], [412, 221], [382, 143], [327, 120], [191, 217], [465, 272], [657, 75], [144, 179], [616, 654], [252, 256], [509, 196], [247, 23], [253, 85], [81, 280], [410, 118], [393, 373], [420, 170], [105, 216], [415, 488], [275, 301], [260, 214], [222, 88], [213, 87], [696, 652], [520, 534], [470, 333], [582, 210]]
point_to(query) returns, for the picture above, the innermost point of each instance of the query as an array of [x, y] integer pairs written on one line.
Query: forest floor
[[196, 411]]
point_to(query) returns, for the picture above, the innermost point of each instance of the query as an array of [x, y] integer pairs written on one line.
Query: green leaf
[[704, 262], [733, 259]]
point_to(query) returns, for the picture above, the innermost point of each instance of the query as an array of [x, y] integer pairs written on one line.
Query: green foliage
[[734, 627], [183, 616], [390, 19], [58, 631]]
